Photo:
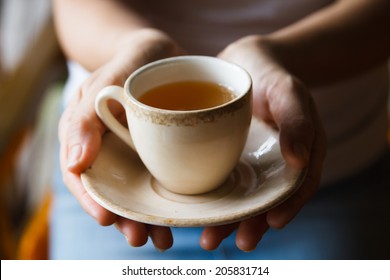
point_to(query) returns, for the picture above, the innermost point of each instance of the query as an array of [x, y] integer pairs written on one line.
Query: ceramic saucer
[[119, 181]]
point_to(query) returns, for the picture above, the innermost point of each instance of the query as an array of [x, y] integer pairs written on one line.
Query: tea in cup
[[188, 119]]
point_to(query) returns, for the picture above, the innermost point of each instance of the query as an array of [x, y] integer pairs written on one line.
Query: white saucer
[[119, 182]]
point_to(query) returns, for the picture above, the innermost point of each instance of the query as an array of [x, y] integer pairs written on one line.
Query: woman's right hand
[[81, 130]]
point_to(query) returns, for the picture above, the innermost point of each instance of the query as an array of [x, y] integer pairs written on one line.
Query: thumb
[[80, 140], [291, 105], [83, 142], [296, 138]]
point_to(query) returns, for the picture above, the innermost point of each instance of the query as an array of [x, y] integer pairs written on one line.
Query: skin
[[349, 33]]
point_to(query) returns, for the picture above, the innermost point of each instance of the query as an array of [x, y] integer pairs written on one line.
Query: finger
[[135, 233], [74, 184], [250, 232], [284, 213], [291, 107], [212, 237], [161, 237], [80, 136]]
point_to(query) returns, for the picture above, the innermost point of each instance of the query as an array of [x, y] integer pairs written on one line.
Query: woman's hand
[[284, 103], [80, 130]]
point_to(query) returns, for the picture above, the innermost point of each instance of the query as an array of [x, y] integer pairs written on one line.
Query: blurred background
[[32, 72]]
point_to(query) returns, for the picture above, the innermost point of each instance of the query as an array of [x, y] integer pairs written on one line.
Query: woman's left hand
[[283, 102]]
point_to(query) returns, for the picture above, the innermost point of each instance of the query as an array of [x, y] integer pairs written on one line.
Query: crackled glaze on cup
[[188, 152]]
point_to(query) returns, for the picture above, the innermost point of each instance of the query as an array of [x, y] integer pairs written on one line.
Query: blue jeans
[[346, 220]]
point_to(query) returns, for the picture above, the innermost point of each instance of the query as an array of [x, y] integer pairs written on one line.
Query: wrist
[[136, 49], [256, 53], [150, 43]]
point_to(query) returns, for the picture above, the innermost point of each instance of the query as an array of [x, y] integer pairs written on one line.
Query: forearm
[[336, 42], [92, 32]]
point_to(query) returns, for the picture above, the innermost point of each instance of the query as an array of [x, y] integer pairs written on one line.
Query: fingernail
[[74, 155], [127, 239], [301, 151], [160, 250], [249, 250]]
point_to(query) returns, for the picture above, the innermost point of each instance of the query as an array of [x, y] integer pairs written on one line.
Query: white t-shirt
[[354, 111]]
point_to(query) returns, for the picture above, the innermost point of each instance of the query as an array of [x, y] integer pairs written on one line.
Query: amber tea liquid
[[187, 95]]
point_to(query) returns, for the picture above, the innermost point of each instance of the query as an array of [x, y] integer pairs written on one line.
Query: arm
[[341, 40], [91, 32]]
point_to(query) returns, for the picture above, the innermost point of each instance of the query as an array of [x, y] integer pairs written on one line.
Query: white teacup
[[187, 152]]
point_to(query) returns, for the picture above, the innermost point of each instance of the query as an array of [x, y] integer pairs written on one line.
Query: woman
[[312, 63]]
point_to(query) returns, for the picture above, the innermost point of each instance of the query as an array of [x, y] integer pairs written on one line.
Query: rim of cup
[[171, 60]]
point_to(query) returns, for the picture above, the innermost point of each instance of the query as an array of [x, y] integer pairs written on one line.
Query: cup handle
[[101, 108]]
